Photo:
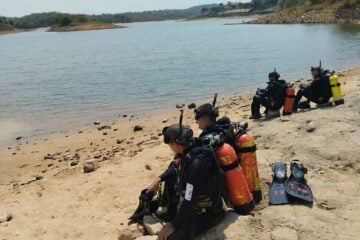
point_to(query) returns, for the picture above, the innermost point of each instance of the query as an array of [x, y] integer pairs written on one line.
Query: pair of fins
[[284, 190]]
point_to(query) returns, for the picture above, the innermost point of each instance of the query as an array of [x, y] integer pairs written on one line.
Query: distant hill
[[48, 19]]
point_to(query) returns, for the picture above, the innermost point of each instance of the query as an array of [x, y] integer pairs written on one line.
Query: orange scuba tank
[[289, 100], [235, 179], [246, 149]]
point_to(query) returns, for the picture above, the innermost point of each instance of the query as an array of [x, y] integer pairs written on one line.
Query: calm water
[[56, 81]]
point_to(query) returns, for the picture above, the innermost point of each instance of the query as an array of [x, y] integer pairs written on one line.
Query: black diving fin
[[277, 191], [148, 204], [296, 185]]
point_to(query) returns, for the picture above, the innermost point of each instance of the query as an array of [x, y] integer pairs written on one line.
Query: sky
[[18, 8]]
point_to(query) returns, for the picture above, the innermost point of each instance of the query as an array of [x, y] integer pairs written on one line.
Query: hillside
[[313, 12], [53, 19]]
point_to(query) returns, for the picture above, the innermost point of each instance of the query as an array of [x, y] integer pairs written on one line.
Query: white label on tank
[[188, 191]]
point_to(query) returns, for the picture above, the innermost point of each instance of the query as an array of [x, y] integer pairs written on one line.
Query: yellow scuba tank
[[336, 90]]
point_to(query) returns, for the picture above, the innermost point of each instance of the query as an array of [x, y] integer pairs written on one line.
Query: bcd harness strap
[[246, 149]]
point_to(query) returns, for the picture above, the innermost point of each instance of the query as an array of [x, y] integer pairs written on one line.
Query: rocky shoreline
[[300, 16]]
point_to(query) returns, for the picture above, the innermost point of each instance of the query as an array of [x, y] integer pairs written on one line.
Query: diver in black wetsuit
[[317, 91], [272, 97], [196, 184]]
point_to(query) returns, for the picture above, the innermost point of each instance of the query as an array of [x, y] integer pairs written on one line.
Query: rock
[[104, 127], [49, 157], [6, 218], [80, 132], [90, 165], [115, 129], [165, 120], [97, 154], [119, 141], [124, 115], [192, 105], [311, 127], [104, 158], [18, 138], [74, 163], [77, 156], [115, 149], [138, 128], [148, 167], [152, 225], [131, 232], [282, 233], [97, 123], [180, 105], [105, 133]]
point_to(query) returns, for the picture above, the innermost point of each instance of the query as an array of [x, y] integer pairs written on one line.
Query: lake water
[[57, 81]]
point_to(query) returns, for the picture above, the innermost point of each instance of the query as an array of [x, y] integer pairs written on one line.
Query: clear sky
[[18, 8]]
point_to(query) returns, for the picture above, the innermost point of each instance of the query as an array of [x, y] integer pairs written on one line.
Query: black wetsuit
[[272, 97], [198, 183], [318, 91]]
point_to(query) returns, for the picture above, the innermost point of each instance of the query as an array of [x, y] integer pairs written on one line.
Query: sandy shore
[[50, 199], [85, 27]]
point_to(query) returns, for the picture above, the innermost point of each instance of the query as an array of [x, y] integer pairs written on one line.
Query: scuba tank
[[235, 179], [246, 149], [289, 100], [336, 90]]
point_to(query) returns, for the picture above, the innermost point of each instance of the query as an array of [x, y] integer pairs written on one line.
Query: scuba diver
[[318, 91], [194, 183], [220, 135], [272, 97]]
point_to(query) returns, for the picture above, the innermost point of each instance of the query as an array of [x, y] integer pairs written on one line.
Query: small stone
[[90, 165], [105, 158], [138, 128], [49, 157], [74, 163], [119, 141], [77, 156], [165, 120], [192, 105], [97, 154], [124, 115], [104, 127], [180, 105], [311, 127], [97, 123], [152, 225], [148, 167], [105, 133], [80, 132], [115, 149], [18, 138], [6, 218], [115, 129]]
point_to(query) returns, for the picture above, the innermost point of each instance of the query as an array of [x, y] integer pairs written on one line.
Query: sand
[[50, 199]]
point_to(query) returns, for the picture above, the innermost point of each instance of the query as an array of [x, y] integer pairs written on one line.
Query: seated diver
[[194, 184], [318, 91], [272, 97]]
